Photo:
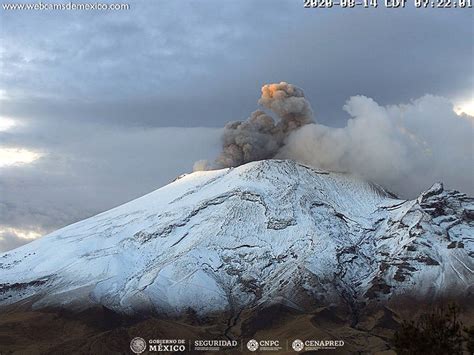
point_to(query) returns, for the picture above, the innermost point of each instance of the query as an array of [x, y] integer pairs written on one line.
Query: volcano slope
[[270, 247]]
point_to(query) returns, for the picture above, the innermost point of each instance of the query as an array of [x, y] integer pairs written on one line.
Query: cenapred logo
[[138, 345], [297, 345], [252, 345]]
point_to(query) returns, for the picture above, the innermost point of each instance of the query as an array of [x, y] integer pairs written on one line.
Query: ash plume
[[405, 148], [260, 137]]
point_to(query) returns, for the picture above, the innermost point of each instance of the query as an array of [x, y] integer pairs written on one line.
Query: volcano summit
[[267, 234], [263, 233]]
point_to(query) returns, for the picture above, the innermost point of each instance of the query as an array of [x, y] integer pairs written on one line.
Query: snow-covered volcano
[[263, 233]]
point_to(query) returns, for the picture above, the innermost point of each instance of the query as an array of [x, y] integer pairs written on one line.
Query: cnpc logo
[[254, 345]]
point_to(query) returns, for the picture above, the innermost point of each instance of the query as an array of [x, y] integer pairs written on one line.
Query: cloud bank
[[405, 148], [97, 168]]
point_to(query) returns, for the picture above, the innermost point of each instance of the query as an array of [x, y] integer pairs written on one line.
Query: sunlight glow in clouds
[[465, 107], [11, 237], [20, 233], [17, 156], [6, 124]]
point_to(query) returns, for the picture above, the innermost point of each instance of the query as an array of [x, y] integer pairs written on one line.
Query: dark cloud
[[107, 66]]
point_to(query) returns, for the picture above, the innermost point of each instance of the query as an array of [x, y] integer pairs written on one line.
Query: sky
[[100, 107]]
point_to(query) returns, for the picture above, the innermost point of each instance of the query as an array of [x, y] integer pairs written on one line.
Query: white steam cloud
[[404, 148]]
